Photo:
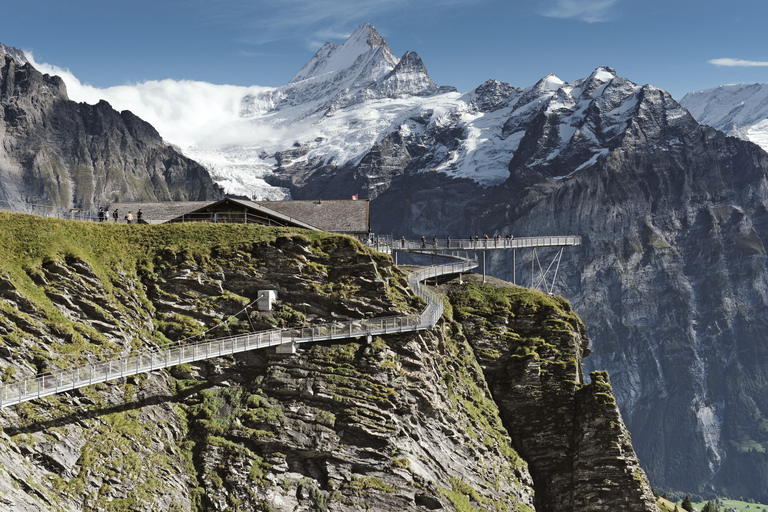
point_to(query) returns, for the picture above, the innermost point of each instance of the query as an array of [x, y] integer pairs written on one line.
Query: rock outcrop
[[417, 421], [531, 348]]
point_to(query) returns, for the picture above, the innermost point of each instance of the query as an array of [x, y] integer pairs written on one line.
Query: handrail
[[157, 358], [464, 244]]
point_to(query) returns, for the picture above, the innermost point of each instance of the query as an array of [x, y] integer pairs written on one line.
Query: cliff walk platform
[[460, 249], [285, 340]]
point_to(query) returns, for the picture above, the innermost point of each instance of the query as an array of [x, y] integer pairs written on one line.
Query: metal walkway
[[448, 248], [429, 246], [285, 339]]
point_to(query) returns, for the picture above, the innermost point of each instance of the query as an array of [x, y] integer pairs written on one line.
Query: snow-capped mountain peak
[[364, 41], [549, 83], [361, 69], [351, 98]]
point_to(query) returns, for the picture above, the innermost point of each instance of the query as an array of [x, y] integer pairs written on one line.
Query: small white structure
[[286, 348], [265, 299]]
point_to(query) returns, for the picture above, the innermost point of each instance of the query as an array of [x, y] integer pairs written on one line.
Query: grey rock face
[[531, 353], [71, 155]]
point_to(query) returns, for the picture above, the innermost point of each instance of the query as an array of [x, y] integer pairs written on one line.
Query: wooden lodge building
[[351, 217]]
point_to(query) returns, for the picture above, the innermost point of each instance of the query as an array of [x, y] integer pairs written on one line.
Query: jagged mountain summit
[[60, 154], [363, 68], [739, 110], [17, 55]]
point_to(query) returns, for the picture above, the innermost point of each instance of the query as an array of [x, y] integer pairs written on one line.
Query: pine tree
[[686, 504]]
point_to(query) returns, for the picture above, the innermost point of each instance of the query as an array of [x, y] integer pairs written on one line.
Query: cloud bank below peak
[[186, 113]]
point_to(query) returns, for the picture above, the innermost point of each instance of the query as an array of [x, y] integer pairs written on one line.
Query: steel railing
[[467, 244]]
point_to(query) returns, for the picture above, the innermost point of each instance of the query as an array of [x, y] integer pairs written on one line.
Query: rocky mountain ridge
[[405, 422], [63, 155]]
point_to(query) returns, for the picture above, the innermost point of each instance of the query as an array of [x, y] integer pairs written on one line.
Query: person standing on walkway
[[402, 241], [435, 241], [449, 241], [129, 218], [139, 216], [114, 215], [101, 214], [423, 242]]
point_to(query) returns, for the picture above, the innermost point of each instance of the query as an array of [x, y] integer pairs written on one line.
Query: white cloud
[[585, 10], [737, 63], [185, 113]]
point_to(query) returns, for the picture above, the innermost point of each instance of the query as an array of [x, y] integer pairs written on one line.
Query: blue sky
[[672, 44]]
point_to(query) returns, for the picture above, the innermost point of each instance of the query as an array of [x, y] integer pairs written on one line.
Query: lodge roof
[[338, 216]]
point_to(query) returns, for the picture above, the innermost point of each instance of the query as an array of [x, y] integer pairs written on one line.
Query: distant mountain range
[[671, 279]]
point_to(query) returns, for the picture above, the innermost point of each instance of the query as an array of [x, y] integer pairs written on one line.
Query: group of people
[[496, 240], [104, 215]]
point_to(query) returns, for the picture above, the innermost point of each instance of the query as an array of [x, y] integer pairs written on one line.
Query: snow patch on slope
[[739, 110]]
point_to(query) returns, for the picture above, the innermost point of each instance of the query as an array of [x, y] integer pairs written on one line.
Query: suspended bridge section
[[460, 249], [284, 339]]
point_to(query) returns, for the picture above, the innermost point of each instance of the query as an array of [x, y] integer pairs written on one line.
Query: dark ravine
[[489, 411], [63, 154]]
